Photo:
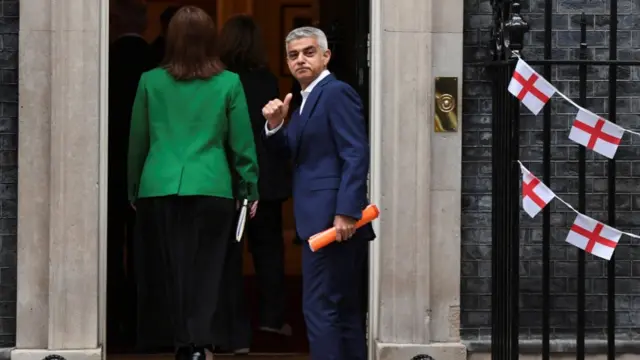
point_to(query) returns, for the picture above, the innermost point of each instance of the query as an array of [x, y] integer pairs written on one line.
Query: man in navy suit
[[326, 140]]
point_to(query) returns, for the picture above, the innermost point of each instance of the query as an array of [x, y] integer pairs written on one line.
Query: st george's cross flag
[[530, 88], [535, 194], [596, 133], [594, 237]]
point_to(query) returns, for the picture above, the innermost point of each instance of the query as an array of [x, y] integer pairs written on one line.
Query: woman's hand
[[253, 209]]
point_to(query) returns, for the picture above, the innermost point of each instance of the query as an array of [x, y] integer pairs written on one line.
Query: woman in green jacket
[[186, 114]]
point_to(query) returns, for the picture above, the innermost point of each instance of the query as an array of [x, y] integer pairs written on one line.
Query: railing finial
[[515, 29]]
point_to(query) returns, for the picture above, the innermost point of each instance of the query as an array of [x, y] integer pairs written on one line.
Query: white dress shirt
[[305, 94]]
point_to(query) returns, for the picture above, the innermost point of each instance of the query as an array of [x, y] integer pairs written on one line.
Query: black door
[[347, 29], [347, 26]]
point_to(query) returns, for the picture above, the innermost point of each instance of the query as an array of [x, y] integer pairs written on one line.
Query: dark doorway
[[347, 27]]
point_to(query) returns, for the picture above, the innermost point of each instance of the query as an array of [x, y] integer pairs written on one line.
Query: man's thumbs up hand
[[276, 110], [287, 100]]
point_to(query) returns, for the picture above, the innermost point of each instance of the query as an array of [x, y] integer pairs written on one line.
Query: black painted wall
[[476, 204], [8, 167]]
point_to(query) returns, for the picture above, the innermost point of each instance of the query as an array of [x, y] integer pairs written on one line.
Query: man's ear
[[327, 57]]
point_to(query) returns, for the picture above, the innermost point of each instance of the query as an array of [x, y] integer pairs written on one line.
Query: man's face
[[306, 60]]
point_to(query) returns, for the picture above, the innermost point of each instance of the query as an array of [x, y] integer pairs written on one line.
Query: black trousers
[[232, 326], [264, 232], [266, 245], [192, 235]]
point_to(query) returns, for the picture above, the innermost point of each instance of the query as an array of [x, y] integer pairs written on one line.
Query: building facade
[[431, 268]]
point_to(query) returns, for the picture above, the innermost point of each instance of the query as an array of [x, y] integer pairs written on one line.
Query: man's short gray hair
[[307, 32]]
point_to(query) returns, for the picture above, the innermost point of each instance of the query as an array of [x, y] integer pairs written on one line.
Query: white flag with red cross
[[596, 133], [530, 88], [535, 194], [593, 237]]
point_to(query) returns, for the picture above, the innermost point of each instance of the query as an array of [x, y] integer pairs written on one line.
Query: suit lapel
[[309, 107], [294, 125]]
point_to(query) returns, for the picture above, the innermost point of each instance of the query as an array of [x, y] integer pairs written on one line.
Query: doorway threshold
[[261, 356]]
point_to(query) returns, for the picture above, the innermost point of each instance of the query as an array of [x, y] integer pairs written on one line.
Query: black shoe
[[183, 353], [198, 353]]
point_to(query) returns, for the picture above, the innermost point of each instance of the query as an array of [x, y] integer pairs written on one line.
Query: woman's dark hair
[[191, 48], [241, 46]]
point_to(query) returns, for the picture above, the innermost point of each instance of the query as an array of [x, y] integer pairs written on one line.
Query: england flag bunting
[[535, 194], [593, 237], [586, 233], [530, 88], [596, 133], [588, 130]]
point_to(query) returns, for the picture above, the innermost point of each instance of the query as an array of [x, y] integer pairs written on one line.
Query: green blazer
[[191, 138]]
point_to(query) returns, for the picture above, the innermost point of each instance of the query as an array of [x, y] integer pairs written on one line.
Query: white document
[[242, 219]]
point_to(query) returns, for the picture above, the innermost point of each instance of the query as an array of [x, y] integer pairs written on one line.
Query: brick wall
[[8, 167], [476, 181]]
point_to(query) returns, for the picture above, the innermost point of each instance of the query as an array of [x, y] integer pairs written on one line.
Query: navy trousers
[[332, 300]]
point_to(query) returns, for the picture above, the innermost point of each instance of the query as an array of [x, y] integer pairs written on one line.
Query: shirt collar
[[315, 82]]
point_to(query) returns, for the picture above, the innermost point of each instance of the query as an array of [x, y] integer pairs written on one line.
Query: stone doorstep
[[438, 351], [385, 351], [253, 356], [40, 354]]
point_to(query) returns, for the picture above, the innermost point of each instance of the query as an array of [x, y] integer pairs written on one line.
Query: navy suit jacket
[[329, 149]]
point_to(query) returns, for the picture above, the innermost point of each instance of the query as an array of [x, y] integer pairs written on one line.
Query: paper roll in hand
[[320, 240]]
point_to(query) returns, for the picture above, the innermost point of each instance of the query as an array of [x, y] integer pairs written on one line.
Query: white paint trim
[[375, 137], [103, 166]]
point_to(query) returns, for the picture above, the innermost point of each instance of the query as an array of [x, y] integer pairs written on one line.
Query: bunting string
[[574, 104], [589, 130], [565, 97], [586, 233]]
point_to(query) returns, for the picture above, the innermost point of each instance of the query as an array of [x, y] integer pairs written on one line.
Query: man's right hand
[[275, 111]]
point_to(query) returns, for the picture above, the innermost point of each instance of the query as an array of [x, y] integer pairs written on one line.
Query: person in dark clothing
[[158, 45], [128, 59], [242, 51]]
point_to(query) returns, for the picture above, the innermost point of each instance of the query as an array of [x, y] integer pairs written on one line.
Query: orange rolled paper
[[320, 240]]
